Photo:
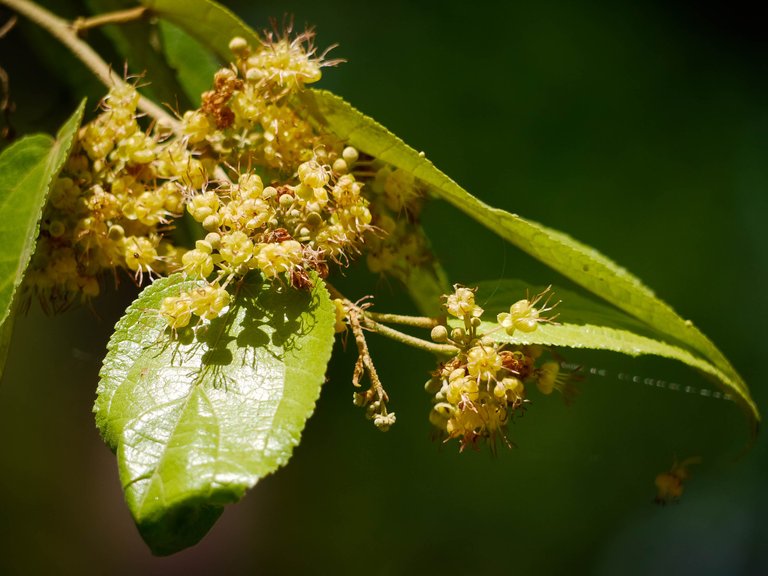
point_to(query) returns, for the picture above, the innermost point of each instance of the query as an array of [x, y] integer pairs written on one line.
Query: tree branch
[[65, 32]]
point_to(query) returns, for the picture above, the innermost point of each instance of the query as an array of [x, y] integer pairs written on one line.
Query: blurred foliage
[[641, 130]]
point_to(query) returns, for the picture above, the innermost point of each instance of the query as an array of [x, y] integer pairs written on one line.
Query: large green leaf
[[23, 186], [197, 422], [27, 169], [579, 262], [212, 24]]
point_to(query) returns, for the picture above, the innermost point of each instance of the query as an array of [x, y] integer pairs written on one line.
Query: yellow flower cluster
[[272, 191], [479, 390], [248, 117], [298, 206], [283, 231], [110, 206]]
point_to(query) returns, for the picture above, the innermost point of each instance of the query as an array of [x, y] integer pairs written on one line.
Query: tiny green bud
[[116, 232], [433, 385], [214, 239], [238, 44], [212, 222], [439, 333], [350, 155], [254, 74], [314, 219], [340, 166]]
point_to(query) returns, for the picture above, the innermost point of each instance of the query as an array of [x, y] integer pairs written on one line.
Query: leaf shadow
[[264, 317], [276, 317]]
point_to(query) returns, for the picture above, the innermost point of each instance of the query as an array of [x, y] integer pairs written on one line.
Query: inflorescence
[[271, 189], [480, 389]]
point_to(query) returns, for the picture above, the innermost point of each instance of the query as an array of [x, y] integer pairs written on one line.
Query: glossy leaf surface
[[197, 420]]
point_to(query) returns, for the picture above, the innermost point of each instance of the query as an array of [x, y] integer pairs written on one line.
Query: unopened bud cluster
[[480, 389]]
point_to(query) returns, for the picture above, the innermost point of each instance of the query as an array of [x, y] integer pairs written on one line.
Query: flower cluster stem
[[364, 360], [415, 321], [374, 322], [407, 339]]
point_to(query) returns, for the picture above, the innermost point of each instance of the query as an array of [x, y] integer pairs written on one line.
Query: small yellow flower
[[461, 303], [177, 311], [483, 363], [524, 316]]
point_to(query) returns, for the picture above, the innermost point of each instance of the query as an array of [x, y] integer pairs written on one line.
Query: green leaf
[[576, 261], [210, 23], [27, 169], [137, 43], [196, 422], [194, 65], [583, 323]]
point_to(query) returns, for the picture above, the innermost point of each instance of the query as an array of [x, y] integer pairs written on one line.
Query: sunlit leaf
[[579, 262], [196, 422], [27, 169]]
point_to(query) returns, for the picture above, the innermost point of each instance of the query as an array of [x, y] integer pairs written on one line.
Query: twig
[[117, 17], [439, 349], [65, 33], [369, 320], [415, 321]]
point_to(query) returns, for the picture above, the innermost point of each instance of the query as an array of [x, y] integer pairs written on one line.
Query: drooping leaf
[[195, 422], [194, 65], [27, 169], [583, 323], [576, 261], [138, 44], [210, 23]]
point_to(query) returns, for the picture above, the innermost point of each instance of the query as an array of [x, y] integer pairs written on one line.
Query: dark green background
[[641, 130]]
